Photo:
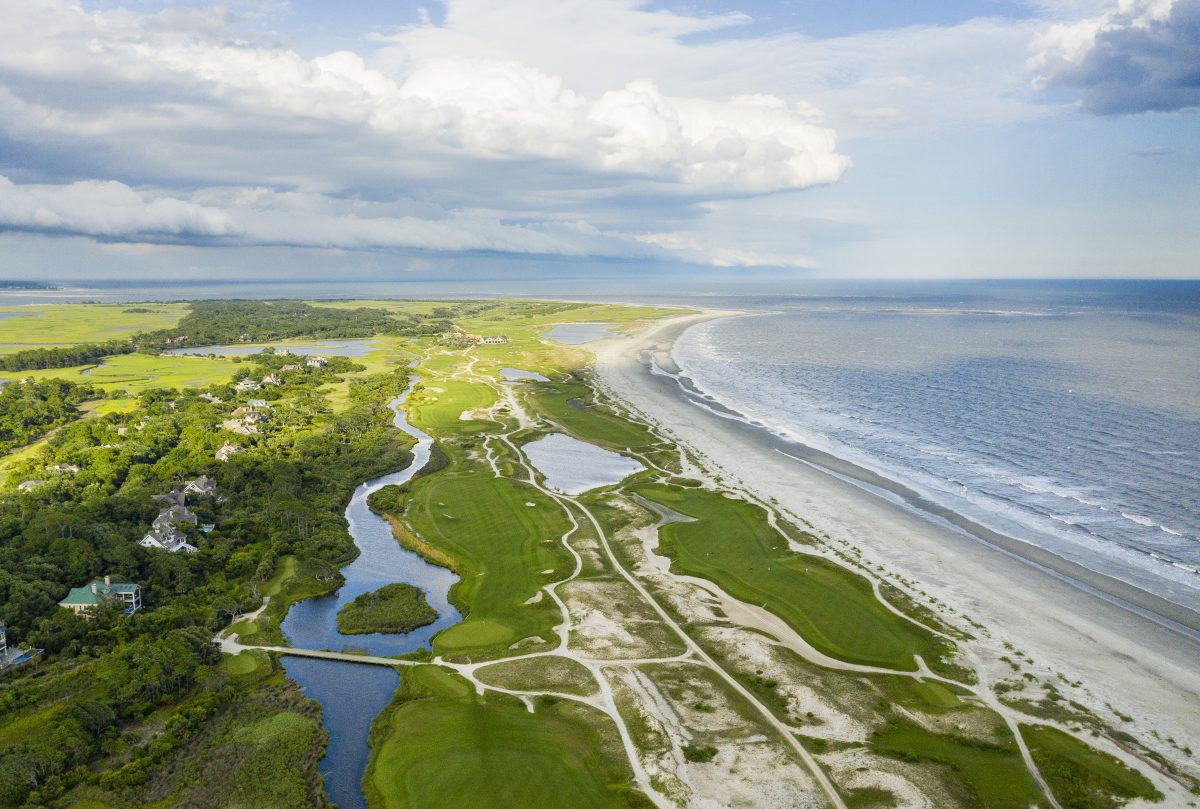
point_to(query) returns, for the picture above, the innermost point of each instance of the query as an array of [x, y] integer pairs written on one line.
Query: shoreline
[[1170, 614], [1119, 639]]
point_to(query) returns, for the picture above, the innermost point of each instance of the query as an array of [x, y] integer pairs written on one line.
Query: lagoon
[[572, 466], [518, 374]]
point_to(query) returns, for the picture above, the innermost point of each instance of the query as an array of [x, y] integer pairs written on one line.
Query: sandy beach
[[1125, 662]]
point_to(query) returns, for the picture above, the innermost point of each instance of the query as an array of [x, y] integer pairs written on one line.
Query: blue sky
[[479, 138]]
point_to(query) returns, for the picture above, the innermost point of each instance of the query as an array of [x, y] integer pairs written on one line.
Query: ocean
[[1063, 414]]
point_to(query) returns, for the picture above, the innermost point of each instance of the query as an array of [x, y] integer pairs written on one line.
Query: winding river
[[351, 695]]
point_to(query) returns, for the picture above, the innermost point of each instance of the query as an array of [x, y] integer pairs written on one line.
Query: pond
[[517, 374], [572, 466], [577, 333], [330, 348]]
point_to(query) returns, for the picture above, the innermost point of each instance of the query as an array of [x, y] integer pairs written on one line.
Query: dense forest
[[33, 359], [30, 409], [225, 321], [283, 495]]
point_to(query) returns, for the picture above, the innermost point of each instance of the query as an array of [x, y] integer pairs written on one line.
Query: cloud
[[262, 217], [162, 74], [1142, 56]]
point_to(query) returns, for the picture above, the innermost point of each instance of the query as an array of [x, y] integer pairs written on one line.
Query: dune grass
[[547, 673], [835, 610], [994, 776], [1081, 777], [440, 745]]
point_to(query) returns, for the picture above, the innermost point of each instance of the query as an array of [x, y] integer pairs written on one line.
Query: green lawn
[[441, 746], [500, 545], [835, 610], [1080, 777], [570, 405], [995, 775]]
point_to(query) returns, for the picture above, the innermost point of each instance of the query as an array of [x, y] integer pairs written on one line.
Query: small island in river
[[392, 608]]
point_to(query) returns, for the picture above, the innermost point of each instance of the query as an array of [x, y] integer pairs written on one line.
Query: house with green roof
[[98, 591]]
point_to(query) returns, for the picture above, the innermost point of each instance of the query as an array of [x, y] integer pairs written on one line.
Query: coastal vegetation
[[28, 411], [1083, 778], [392, 608], [731, 542]]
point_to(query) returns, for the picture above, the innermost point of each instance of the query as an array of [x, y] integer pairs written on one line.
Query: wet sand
[[1133, 650]]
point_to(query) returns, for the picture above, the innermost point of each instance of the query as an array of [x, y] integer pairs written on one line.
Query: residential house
[[316, 362], [246, 385], [249, 414], [175, 514], [496, 340], [208, 397], [271, 379], [14, 656], [227, 451], [87, 598], [173, 497], [65, 468], [29, 485], [290, 367], [258, 404], [238, 426], [169, 539], [202, 486]]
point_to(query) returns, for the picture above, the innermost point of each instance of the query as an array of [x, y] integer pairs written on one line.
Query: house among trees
[[167, 538], [496, 340], [65, 468], [239, 426], [13, 656], [227, 451], [28, 485], [87, 598], [271, 379], [175, 514], [246, 385], [202, 486], [290, 367], [316, 362]]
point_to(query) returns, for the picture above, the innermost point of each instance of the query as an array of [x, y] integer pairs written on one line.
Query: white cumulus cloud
[[1140, 56]]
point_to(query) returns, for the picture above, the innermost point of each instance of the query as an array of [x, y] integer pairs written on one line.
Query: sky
[[275, 140]]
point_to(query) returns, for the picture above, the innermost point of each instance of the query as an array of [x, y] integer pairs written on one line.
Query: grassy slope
[[570, 405], [500, 546], [995, 775], [1080, 777], [441, 745], [732, 544]]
